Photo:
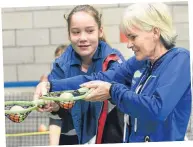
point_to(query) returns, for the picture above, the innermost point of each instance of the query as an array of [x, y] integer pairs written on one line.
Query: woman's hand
[[100, 90]]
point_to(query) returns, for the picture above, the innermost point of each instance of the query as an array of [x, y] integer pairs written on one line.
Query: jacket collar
[[159, 60]]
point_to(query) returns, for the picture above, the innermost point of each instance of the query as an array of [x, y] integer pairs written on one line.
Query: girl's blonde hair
[[147, 16]]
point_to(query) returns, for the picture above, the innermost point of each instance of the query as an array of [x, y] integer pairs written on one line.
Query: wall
[[31, 34]]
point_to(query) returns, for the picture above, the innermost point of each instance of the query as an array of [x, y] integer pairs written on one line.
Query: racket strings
[[17, 117], [66, 105], [77, 93], [54, 94], [70, 104]]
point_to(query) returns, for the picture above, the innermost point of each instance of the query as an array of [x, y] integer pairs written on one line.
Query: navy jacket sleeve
[[172, 84], [56, 73], [121, 73]]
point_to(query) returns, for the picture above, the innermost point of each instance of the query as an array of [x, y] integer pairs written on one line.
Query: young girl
[[88, 53]]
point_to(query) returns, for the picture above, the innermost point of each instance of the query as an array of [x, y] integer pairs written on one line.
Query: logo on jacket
[[136, 76], [119, 61]]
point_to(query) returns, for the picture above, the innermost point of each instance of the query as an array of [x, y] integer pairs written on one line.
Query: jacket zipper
[[139, 89]]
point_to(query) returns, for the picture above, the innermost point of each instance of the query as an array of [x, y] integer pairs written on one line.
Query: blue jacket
[[84, 114], [162, 108]]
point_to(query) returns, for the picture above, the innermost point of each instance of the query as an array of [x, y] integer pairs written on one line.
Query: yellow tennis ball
[[66, 95], [16, 108], [42, 128]]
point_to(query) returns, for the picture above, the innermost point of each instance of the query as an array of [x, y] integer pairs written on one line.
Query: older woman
[[157, 104]]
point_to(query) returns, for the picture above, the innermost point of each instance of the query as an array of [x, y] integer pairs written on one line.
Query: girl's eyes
[[90, 31], [75, 32]]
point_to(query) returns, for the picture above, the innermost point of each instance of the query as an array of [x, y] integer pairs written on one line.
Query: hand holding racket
[[50, 106]]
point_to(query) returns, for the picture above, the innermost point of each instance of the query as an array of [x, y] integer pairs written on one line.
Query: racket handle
[[39, 102], [83, 89]]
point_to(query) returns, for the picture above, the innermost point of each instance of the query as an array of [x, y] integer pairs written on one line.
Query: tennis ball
[[42, 128], [16, 108], [66, 95]]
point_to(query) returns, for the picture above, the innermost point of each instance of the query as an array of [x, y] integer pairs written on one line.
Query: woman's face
[[143, 43], [84, 34]]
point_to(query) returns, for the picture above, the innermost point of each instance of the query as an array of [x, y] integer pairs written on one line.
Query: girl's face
[[84, 34]]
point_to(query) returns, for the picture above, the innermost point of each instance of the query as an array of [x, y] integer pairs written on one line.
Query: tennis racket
[[17, 111]]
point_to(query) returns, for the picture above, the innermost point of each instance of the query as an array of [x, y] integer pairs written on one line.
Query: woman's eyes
[[131, 37]]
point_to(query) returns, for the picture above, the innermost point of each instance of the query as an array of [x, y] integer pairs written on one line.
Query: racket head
[[73, 95], [66, 99], [27, 106], [18, 116]]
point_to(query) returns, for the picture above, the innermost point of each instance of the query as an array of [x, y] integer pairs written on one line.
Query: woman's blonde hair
[[147, 16]]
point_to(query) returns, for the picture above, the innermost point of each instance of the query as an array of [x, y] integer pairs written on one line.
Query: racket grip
[[39, 102]]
